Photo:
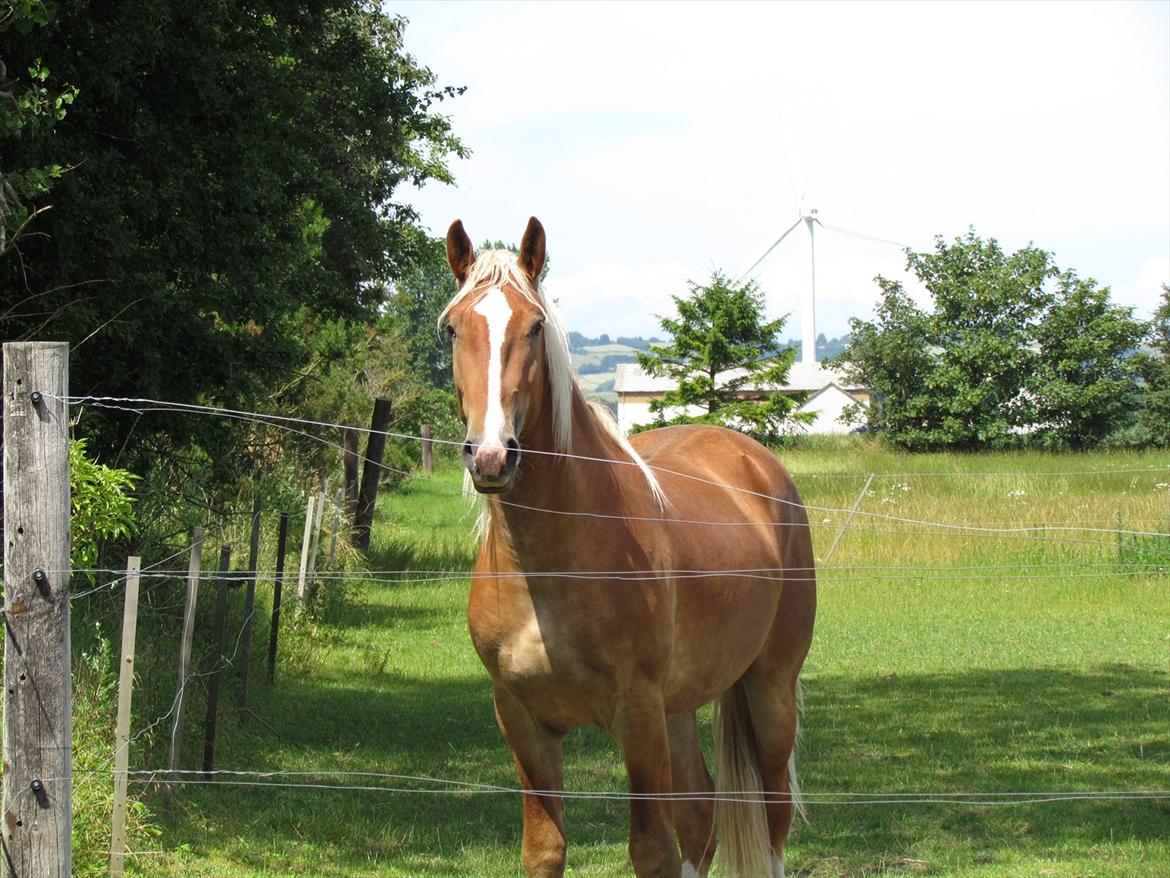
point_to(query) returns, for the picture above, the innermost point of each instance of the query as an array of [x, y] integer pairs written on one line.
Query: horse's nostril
[[468, 450], [513, 457]]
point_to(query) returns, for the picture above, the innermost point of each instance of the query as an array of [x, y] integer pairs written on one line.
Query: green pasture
[[945, 661]]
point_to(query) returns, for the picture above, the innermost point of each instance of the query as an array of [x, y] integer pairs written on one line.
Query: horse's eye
[[536, 328], [450, 330]]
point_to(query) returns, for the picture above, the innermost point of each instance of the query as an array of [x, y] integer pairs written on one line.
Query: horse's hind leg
[[539, 762], [772, 700], [694, 821]]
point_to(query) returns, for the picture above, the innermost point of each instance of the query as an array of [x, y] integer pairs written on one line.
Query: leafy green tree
[[30, 104], [1083, 386], [724, 356], [236, 190], [1011, 347], [422, 291], [1154, 368], [102, 506]]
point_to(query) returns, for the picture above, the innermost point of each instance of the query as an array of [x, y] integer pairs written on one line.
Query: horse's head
[[497, 327]]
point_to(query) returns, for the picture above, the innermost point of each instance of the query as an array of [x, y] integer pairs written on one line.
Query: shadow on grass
[[983, 731]]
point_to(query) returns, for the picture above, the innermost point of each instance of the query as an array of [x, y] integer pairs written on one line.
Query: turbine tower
[[808, 299]]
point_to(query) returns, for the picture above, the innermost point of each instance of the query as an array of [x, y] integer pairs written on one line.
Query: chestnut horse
[[591, 600]]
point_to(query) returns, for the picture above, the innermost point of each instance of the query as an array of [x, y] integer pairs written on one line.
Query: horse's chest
[[523, 646]]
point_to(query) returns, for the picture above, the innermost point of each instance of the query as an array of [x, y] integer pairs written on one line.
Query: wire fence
[[372, 782]]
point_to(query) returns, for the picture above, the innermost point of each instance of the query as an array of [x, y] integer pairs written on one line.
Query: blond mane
[[494, 268]]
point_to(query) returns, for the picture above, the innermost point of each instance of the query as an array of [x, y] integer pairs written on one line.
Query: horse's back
[[737, 511], [698, 464]]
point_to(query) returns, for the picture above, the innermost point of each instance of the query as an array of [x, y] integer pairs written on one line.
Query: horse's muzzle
[[492, 466]]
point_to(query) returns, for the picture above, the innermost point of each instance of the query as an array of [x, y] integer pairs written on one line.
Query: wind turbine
[[808, 216], [808, 332], [808, 299]]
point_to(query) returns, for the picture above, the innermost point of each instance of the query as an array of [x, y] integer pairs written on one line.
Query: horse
[[625, 583]]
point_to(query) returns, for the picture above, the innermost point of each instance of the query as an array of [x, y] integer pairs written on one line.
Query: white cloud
[[679, 135]]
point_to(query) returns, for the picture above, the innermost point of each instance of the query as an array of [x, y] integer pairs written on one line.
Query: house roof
[[631, 378]]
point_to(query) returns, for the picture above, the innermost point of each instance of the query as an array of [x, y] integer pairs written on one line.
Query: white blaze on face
[[495, 309]]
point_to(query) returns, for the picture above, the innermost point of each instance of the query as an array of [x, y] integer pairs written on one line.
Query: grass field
[[945, 661]]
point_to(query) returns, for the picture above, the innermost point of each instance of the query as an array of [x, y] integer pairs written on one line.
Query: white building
[[829, 394]]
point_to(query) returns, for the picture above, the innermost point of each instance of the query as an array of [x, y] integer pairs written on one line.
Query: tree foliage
[[723, 356], [1011, 346], [1154, 368], [234, 218], [31, 103]]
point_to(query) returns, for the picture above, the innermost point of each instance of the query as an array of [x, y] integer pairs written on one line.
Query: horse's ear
[[460, 253], [532, 250]]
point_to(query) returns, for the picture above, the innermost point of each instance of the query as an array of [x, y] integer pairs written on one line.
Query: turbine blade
[[764, 256]]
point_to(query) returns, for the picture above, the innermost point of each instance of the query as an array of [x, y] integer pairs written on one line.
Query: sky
[[660, 141]]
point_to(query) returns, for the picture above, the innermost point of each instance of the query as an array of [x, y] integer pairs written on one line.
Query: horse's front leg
[[539, 761], [639, 727]]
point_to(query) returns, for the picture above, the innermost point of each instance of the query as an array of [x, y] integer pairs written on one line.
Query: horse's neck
[[542, 516]]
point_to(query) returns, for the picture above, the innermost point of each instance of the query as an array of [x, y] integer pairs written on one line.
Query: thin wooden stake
[[122, 730], [221, 588], [427, 459], [318, 520], [249, 608], [193, 572], [305, 540], [37, 822], [848, 518], [335, 527], [277, 588]]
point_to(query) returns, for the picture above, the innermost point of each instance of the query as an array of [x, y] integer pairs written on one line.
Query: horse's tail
[[741, 822]]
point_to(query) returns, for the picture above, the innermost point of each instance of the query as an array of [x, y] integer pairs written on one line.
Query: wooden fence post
[[318, 520], [368, 494], [335, 527], [351, 462], [221, 588], [122, 730], [38, 785], [193, 573], [277, 587], [249, 607], [427, 459], [305, 540]]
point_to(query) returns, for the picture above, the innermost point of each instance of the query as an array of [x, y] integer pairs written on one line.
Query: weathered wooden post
[[318, 521], [221, 588], [306, 538], [122, 729], [372, 471], [38, 783], [427, 442], [277, 587], [194, 571], [334, 527], [351, 462], [249, 607]]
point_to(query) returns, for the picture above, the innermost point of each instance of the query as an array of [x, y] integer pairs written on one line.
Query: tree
[[1083, 385], [236, 190], [1011, 347], [422, 291], [1154, 368], [29, 104], [724, 357]]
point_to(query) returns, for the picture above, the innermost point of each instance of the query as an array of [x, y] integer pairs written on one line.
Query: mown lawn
[[945, 661]]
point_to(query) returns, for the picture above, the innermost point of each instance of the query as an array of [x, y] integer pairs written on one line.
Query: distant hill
[[579, 342], [595, 360]]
